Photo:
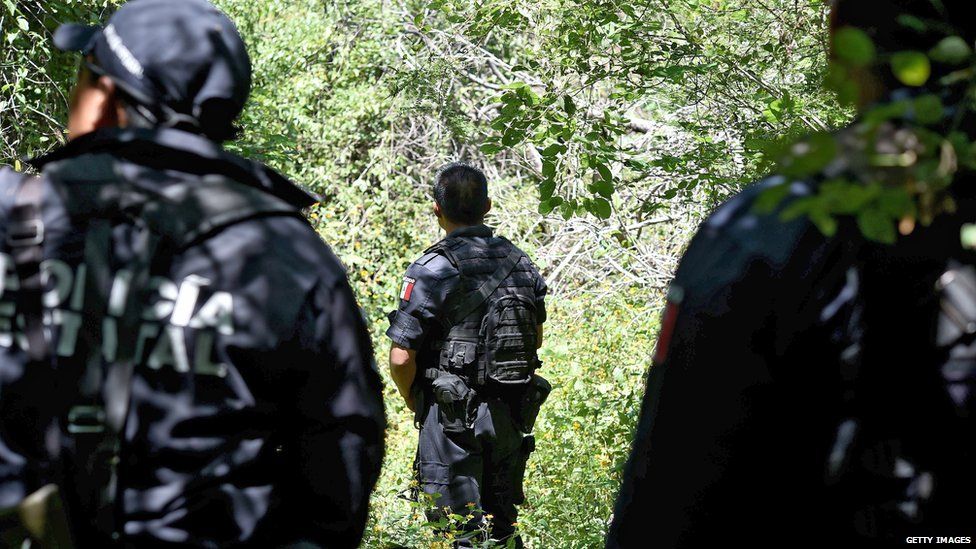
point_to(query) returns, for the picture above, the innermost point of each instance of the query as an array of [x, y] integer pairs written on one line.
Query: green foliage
[[900, 159], [595, 96], [33, 79], [854, 47]]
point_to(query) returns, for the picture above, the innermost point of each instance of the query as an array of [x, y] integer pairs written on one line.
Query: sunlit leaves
[[810, 155], [951, 50], [912, 68], [853, 47]]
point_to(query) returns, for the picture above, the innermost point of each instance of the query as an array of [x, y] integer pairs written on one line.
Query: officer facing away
[[815, 391], [209, 379], [464, 358]]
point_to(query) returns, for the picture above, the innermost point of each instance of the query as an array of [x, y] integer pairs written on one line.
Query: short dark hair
[[462, 193]]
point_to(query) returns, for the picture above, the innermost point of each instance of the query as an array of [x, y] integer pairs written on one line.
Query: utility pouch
[[453, 397], [528, 407], [459, 356]]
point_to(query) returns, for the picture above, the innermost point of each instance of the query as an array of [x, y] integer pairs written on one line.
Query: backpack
[[501, 356]]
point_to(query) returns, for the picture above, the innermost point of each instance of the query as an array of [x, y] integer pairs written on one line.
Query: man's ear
[[111, 108], [488, 207], [437, 210]]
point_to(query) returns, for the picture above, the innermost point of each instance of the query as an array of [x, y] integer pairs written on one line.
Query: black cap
[[183, 60]]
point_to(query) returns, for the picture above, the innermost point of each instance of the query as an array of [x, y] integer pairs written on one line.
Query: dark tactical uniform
[[809, 391], [471, 452], [255, 414]]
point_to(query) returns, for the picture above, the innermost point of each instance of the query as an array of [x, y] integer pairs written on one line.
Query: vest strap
[[475, 299]]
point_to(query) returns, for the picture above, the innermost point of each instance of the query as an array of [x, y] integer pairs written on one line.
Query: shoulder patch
[[406, 290], [670, 317]]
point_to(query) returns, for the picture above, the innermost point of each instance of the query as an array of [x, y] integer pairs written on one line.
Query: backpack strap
[[475, 299]]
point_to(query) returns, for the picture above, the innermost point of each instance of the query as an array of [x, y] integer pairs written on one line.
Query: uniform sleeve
[[27, 409], [541, 289], [341, 423], [420, 296]]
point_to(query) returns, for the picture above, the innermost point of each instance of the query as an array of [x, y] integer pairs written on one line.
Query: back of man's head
[[462, 193], [176, 63]]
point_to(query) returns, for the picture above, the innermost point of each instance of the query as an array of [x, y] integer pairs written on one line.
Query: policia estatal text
[[207, 378]]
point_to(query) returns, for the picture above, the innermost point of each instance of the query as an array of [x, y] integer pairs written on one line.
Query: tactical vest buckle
[[86, 420], [25, 233]]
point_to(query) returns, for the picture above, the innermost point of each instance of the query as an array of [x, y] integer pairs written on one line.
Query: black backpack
[[501, 355]]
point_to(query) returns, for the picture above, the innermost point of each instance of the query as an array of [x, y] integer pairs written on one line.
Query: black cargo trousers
[[472, 455]]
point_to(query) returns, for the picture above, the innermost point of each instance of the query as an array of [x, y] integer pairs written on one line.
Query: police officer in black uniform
[[475, 418], [814, 391], [208, 378]]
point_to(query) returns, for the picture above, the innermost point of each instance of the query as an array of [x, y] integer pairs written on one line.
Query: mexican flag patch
[[407, 288]]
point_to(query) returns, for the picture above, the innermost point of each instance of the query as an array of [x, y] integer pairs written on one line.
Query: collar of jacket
[[473, 230], [167, 148]]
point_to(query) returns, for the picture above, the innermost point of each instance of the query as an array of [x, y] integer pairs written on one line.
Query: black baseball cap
[[182, 60]]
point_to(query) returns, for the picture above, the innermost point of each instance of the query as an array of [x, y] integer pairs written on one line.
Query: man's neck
[[450, 227]]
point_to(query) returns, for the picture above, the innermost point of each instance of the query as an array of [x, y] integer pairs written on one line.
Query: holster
[[528, 407], [455, 402]]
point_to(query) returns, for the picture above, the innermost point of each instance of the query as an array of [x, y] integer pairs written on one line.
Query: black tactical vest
[[496, 278]]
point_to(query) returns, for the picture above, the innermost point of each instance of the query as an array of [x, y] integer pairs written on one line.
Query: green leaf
[[839, 80], [490, 148], [810, 156], [22, 23], [912, 68], [603, 188], [567, 209], [604, 172], [547, 206], [896, 203], [568, 105], [825, 222], [967, 235], [548, 169], [912, 22], [853, 47], [874, 224], [512, 137], [601, 208], [553, 150], [546, 188], [887, 111], [928, 109], [770, 198], [951, 50]]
